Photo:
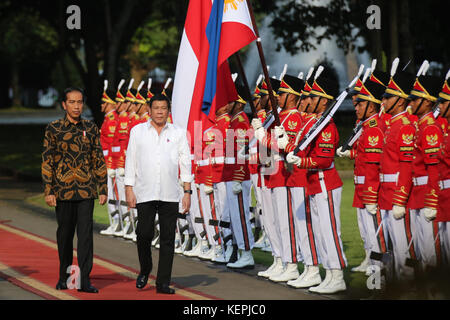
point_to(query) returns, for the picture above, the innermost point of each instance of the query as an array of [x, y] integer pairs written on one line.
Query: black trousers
[[167, 212], [71, 215]]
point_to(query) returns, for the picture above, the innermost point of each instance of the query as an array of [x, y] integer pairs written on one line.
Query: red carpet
[[31, 262]]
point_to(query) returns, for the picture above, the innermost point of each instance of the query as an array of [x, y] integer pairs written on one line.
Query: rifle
[[356, 133], [326, 116]]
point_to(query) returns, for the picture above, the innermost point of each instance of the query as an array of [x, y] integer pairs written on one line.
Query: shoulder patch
[[405, 120], [373, 123]]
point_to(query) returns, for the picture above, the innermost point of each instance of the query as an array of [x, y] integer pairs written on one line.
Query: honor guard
[[443, 212], [107, 132], [324, 189], [423, 198], [395, 170]]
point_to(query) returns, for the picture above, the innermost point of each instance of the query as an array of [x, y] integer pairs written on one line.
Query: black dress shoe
[[164, 289], [61, 285], [141, 281], [88, 289]]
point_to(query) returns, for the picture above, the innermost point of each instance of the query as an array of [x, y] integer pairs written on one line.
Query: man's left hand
[[102, 199], [186, 203]]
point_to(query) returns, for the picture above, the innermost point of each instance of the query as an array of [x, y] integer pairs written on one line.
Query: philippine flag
[[213, 31]]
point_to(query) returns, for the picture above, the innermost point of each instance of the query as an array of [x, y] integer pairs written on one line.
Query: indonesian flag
[[213, 31]]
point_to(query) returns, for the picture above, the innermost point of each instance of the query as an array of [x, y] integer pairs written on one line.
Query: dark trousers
[[71, 215], [167, 212]]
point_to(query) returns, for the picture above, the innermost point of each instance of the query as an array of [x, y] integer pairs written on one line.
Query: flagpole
[[273, 101], [244, 79]]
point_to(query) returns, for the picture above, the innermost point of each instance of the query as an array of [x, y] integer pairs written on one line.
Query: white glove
[[208, 189], [237, 187], [399, 212], [256, 123], [429, 213], [242, 156], [343, 154], [279, 131], [260, 133], [111, 173], [121, 172], [371, 208], [290, 158]]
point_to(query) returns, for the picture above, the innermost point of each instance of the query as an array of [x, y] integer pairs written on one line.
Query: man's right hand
[[50, 200], [130, 196]]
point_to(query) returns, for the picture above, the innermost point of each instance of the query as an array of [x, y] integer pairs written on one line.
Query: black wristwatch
[[188, 191]]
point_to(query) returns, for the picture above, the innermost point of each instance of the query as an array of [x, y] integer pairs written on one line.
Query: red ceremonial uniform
[[396, 162], [292, 123], [203, 174], [254, 158], [320, 157], [425, 169], [121, 139], [443, 214], [367, 162], [107, 133], [222, 123], [237, 171]]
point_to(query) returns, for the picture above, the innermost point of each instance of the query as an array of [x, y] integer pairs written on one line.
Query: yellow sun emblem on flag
[[233, 4]]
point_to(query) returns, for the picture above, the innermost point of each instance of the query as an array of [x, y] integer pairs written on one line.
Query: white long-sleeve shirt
[[153, 160]]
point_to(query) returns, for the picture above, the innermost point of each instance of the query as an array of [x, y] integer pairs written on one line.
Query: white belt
[[330, 167], [389, 177], [230, 160], [218, 160], [202, 163], [105, 152], [277, 157], [192, 157], [359, 179], [420, 181], [253, 150], [115, 149], [444, 184]]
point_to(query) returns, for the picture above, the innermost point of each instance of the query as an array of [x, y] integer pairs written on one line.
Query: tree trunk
[[15, 83], [393, 29], [406, 45]]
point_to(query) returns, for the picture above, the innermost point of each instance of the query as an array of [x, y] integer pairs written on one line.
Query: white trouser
[[400, 234], [445, 241], [222, 207], [120, 182], [325, 214], [268, 217], [240, 215], [284, 220], [375, 235], [111, 196], [426, 240], [304, 232], [257, 191], [207, 202], [363, 226], [194, 212]]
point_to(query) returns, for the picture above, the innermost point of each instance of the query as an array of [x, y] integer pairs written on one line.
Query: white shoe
[[126, 228], [196, 250], [244, 262], [309, 278], [261, 241], [266, 273], [208, 255], [325, 281], [294, 282], [218, 255], [290, 273], [108, 231], [364, 264], [278, 269], [130, 236], [336, 284]]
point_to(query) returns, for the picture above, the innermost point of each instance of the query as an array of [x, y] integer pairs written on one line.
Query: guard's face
[[389, 102], [354, 97], [360, 108], [73, 104], [282, 99], [159, 112], [443, 107]]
